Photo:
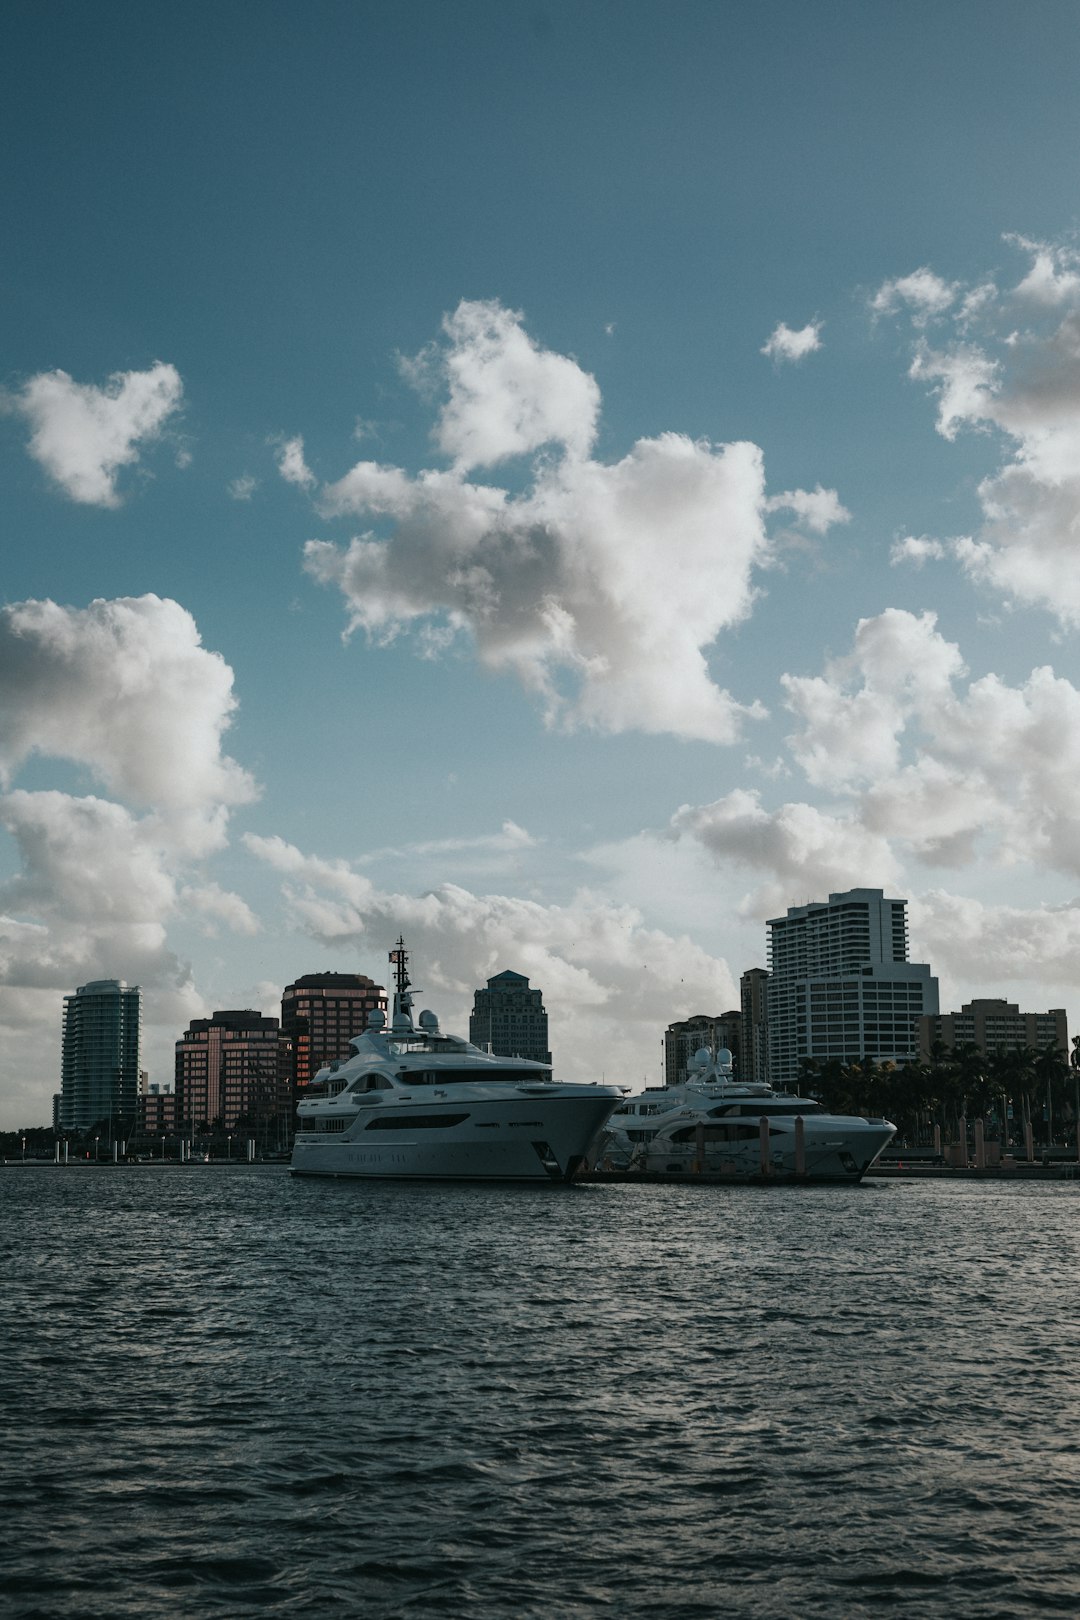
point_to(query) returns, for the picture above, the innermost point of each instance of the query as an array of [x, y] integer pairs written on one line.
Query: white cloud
[[209, 900], [611, 983], [1026, 385], [995, 947], [853, 714], [600, 585], [916, 549], [967, 382], [818, 509], [82, 435], [599, 588], [507, 396], [1052, 279], [952, 773], [922, 293], [802, 849], [243, 488], [786, 344], [291, 464], [88, 857], [126, 688]]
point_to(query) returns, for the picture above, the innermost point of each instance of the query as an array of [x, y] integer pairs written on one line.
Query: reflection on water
[[226, 1391]]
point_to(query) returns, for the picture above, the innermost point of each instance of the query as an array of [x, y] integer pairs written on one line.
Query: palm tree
[[972, 1079], [1051, 1070], [1012, 1070]]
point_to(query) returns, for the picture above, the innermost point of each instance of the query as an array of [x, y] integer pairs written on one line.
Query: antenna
[[399, 957]]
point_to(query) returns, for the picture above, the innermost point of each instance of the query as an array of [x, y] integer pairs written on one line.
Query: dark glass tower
[[509, 1018], [100, 1064]]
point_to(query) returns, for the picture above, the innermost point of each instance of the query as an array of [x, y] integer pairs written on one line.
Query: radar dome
[[428, 1021], [376, 1019]]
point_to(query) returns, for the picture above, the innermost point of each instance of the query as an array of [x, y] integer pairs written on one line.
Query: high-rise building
[[992, 1025], [841, 986], [683, 1039], [754, 1050], [99, 1076], [320, 1014], [509, 1019], [235, 1065]]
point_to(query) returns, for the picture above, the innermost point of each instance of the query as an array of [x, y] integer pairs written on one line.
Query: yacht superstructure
[[413, 1102], [713, 1122]]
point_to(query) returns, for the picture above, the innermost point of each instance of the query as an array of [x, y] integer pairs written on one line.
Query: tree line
[[1009, 1089]]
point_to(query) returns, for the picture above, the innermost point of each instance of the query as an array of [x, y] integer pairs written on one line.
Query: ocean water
[[227, 1392]]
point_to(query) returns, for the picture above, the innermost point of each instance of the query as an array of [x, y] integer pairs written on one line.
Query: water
[[227, 1392]]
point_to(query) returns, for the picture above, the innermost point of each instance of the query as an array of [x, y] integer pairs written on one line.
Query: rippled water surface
[[228, 1392]]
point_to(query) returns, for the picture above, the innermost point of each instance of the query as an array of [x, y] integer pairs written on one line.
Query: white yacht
[[413, 1102], [715, 1123]]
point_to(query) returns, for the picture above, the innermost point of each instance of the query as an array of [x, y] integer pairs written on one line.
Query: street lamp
[[97, 1139]]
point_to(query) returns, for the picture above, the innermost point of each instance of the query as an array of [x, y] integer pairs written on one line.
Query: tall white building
[[841, 986], [99, 1079]]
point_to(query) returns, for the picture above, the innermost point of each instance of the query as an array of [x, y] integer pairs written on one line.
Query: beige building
[[683, 1039], [991, 1025], [754, 1032]]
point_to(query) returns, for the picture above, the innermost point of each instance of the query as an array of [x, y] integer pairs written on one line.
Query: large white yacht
[[412, 1102], [715, 1123]]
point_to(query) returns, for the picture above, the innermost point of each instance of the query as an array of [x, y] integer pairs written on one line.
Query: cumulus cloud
[[291, 464], [505, 395], [1053, 277], [218, 905], [1025, 387], [917, 550], [786, 344], [817, 509], [83, 435], [613, 981], [966, 381], [601, 586], [125, 688], [800, 848], [952, 771], [922, 293], [243, 488], [996, 946], [88, 856]]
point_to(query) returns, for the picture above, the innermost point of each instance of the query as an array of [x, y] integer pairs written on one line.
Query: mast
[[399, 958]]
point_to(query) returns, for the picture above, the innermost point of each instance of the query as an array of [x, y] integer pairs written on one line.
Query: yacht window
[[716, 1133], [415, 1122], [481, 1073], [372, 1082], [770, 1109]]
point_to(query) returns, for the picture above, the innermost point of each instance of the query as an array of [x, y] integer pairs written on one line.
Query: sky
[[560, 482]]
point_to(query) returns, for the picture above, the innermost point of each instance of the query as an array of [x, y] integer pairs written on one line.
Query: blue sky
[[681, 403]]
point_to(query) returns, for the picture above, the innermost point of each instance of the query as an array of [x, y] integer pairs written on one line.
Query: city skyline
[[561, 484]]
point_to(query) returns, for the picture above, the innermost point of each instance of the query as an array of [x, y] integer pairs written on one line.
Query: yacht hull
[[523, 1139], [827, 1156]]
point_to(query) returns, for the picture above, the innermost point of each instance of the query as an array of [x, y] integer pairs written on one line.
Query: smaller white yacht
[[717, 1124], [413, 1102]]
